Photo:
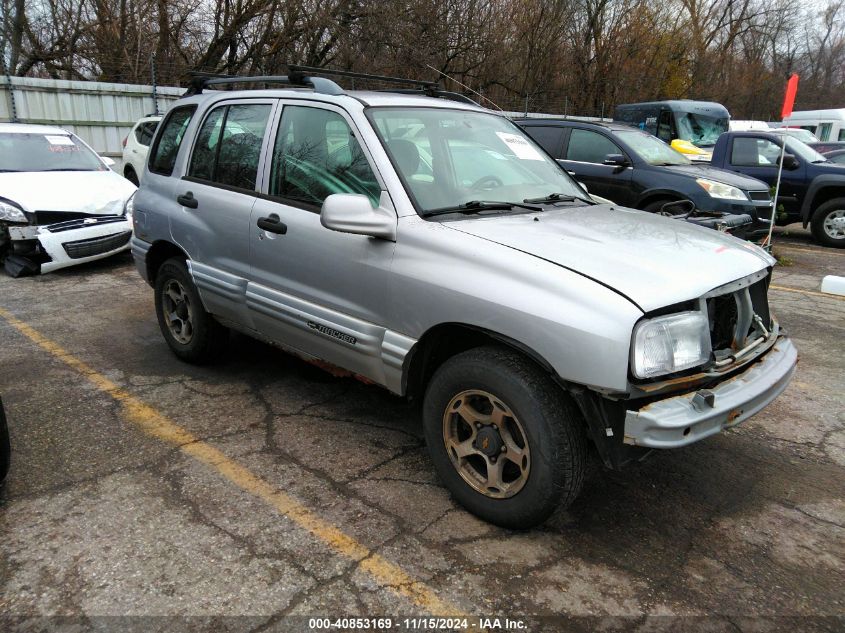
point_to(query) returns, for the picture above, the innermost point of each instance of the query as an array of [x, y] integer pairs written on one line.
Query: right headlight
[[668, 344], [11, 213]]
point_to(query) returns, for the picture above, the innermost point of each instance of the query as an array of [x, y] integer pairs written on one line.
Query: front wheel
[[505, 440], [192, 333], [828, 223]]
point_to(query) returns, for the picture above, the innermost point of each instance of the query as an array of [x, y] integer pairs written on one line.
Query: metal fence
[[99, 113]]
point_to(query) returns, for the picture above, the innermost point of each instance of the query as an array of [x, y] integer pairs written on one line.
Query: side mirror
[[616, 159], [583, 186], [108, 161], [353, 213], [790, 162]]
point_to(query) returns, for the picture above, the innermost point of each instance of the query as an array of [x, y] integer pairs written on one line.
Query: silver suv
[[431, 247]]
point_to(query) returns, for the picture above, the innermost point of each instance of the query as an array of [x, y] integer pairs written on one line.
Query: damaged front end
[[44, 241], [751, 362]]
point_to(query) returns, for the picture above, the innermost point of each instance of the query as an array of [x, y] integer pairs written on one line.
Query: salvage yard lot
[[263, 486]]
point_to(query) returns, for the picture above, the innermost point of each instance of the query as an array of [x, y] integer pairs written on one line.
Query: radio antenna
[[465, 86]]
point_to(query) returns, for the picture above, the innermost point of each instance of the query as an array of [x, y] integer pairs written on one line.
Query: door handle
[[272, 224], [188, 200]]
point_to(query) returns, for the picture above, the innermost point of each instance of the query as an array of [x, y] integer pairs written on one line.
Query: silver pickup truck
[[430, 246]]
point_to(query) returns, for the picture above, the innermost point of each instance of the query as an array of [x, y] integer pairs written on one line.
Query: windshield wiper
[[476, 206], [557, 197]]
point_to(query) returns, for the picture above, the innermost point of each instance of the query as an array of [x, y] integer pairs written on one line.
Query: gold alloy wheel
[[178, 311], [486, 444]]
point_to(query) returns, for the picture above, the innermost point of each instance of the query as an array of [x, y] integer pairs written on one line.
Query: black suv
[[637, 170]]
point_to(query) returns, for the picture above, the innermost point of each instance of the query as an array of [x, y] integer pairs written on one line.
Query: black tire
[[823, 214], [554, 430], [207, 338], [131, 176]]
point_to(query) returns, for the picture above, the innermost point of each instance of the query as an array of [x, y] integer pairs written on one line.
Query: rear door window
[[144, 132], [163, 155], [548, 137], [590, 147]]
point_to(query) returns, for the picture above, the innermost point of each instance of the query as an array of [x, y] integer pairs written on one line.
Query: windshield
[[449, 158], [46, 152], [700, 129], [651, 149], [802, 135], [803, 151]]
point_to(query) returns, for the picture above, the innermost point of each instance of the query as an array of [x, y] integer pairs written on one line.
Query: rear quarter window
[[168, 142]]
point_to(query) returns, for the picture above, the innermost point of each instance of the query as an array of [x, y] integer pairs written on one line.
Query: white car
[[136, 147], [60, 204]]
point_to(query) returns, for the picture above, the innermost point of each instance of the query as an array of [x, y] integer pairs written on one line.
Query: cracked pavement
[[100, 519]]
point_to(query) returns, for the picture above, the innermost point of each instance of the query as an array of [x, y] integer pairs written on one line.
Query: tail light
[[125, 138]]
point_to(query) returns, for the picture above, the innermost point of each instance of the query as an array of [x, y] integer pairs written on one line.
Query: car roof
[[611, 126], [363, 97], [26, 128]]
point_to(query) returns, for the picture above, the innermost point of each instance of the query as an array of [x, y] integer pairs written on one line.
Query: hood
[[746, 183], [93, 192], [654, 261]]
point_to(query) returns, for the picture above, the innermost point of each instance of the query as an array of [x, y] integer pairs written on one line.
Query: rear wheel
[[828, 223], [506, 441], [191, 332]]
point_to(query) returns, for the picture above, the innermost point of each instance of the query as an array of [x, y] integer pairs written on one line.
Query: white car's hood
[[92, 192], [654, 261]]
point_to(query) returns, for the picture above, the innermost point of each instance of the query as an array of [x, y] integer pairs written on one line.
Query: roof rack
[[302, 76], [200, 81]]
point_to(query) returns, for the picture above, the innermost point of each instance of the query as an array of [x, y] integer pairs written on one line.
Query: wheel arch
[[443, 341], [649, 197], [823, 189], [160, 252]]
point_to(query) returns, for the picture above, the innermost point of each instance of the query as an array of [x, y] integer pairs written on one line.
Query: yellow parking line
[[157, 425], [807, 292]]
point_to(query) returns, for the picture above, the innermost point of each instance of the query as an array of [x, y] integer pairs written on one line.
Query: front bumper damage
[[687, 418], [62, 244]]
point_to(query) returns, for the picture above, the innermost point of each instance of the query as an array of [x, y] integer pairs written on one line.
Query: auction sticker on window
[[59, 140], [519, 146]]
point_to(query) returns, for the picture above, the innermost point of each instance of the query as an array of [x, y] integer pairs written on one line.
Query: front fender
[[819, 183]]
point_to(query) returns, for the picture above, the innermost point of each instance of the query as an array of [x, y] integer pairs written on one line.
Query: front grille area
[[96, 245], [71, 225], [736, 317], [759, 195], [43, 218]]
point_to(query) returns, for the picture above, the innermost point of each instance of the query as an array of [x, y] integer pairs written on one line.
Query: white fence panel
[[99, 113]]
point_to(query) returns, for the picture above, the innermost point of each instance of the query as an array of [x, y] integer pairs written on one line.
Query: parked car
[[60, 204], [826, 148], [812, 189], [136, 147], [836, 156], [805, 136], [637, 170], [5, 447], [529, 319]]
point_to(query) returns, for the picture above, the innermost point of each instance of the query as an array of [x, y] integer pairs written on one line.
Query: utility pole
[[153, 73]]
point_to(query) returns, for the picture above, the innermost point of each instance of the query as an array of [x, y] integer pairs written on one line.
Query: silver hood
[[652, 260]]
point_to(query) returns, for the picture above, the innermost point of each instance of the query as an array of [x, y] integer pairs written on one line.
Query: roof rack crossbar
[[200, 81], [442, 94], [302, 71]]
